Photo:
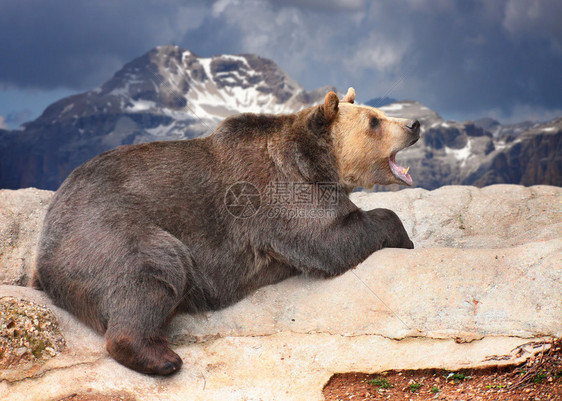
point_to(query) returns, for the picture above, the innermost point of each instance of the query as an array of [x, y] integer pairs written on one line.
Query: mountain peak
[[169, 80]]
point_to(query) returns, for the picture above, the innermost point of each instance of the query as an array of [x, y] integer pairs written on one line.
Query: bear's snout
[[413, 128]]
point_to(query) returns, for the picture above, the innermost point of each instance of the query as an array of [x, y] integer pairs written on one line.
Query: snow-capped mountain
[[191, 94], [170, 93]]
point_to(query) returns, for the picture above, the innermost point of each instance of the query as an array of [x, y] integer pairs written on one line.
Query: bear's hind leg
[[144, 297], [134, 335]]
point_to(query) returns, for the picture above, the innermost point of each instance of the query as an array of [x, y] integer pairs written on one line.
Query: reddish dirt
[[99, 397], [540, 378]]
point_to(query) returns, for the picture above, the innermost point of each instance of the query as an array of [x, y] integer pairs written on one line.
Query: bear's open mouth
[[399, 172]]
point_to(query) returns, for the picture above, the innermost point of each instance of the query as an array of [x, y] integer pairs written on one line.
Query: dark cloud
[[456, 56], [500, 58], [78, 44], [465, 59], [324, 5]]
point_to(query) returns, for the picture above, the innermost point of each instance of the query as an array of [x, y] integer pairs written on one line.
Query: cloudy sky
[[465, 59]]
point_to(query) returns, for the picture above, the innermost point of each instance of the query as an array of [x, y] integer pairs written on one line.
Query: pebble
[[20, 351]]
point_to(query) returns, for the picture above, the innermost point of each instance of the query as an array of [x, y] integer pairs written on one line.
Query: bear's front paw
[[399, 239], [408, 244], [391, 228]]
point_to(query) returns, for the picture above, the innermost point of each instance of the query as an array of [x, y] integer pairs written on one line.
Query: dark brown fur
[[142, 232]]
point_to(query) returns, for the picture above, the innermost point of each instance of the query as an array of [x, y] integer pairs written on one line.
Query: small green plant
[[380, 382], [498, 386], [539, 377], [435, 389], [415, 387], [461, 222], [457, 377]]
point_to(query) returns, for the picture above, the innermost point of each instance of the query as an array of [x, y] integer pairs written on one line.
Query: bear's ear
[[350, 96], [331, 102]]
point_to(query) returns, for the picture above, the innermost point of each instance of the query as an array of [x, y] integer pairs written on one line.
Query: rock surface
[[481, 288], [21, 218]]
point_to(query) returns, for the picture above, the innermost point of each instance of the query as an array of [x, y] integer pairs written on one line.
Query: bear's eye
[[374, 123]]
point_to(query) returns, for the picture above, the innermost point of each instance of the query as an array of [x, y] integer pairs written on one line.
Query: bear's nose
[[414, 126]]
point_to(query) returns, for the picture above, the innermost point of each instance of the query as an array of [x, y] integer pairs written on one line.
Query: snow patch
[[236, 58], [67, 108], [392, 107], [186, 54], [461, 155], [500, 145], [141, 105], [206, 64]]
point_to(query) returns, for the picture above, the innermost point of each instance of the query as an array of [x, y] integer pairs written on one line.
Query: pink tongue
[[398, 170]]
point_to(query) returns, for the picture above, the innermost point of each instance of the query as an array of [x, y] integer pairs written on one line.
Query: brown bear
[[144, 231]]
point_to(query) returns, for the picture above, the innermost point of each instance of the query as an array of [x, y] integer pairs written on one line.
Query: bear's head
[[366, 142]]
